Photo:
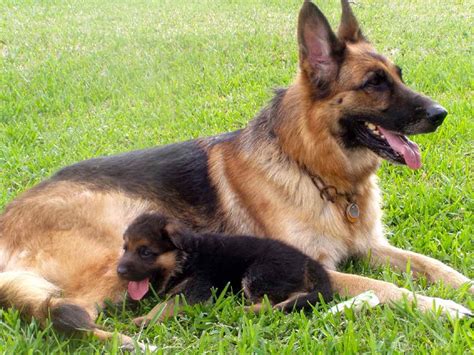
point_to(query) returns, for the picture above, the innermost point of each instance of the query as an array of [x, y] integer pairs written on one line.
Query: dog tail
[[38, 298], [35, 297]]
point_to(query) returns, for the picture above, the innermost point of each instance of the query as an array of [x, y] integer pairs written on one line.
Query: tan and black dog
[[302, 172], [177, 261]]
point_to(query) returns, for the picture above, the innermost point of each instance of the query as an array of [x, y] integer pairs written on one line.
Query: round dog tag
[[352, 212]]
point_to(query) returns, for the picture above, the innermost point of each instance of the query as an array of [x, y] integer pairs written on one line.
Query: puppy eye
[[145, 252]]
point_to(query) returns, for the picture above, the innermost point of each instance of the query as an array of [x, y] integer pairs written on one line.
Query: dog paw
[[367, 299], [455, 310]]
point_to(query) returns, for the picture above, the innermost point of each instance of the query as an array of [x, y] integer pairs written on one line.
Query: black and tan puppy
[[178, 261]]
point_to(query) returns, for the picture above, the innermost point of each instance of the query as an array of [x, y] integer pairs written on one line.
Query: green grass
[[89, 78]]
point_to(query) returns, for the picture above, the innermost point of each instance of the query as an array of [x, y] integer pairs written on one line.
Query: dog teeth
[[374, 129]]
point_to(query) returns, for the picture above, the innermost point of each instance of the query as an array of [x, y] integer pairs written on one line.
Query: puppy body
[[178, 260]]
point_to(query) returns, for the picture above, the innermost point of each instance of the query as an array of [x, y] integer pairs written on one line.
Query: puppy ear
[[173, 230], [349, 30], [181, 236], [147, 224], [320, 50], [157, 223]]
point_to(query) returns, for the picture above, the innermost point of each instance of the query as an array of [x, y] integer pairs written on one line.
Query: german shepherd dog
[[302, 172], [178, 261]]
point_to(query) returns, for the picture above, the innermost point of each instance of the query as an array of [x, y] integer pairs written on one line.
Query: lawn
[[80, 79]]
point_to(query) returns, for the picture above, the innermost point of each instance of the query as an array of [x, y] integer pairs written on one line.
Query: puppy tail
[[36, 297]]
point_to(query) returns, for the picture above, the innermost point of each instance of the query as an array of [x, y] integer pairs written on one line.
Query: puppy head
[[149, 254]]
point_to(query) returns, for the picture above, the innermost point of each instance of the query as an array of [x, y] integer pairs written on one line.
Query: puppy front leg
[[164, 309], [433, 269], [353, 285], [159, 313], [194, 289]]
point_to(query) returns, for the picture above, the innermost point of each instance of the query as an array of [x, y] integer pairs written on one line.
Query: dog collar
[[330, 193]]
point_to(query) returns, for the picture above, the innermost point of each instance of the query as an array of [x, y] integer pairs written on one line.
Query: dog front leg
[[353, 285], [433, 269]]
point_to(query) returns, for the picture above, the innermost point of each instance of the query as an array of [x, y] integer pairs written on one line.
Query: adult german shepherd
[[303, 172]]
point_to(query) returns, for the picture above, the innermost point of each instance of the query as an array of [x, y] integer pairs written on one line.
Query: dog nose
[[122, 269], [436, 114]]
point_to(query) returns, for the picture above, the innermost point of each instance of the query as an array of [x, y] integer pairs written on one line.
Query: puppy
[[176, 260]]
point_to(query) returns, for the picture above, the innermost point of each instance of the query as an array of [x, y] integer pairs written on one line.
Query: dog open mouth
[[389, 145]]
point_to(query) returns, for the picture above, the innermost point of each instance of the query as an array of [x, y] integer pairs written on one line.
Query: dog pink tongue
[[407, 149], [138, 289]]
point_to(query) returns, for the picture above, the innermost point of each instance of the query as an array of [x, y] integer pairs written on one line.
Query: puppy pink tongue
[[138, 289], [407, 149]]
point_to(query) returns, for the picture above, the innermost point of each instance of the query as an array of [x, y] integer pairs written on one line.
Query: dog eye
[[377, 80]]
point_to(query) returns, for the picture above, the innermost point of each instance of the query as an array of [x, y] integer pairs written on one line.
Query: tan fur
[[92, 224], [167, 260]]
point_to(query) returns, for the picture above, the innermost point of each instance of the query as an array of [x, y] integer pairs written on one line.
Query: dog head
[[357, 96], [149, 254]]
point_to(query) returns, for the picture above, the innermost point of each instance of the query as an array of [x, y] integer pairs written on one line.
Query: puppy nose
[[436, 114], [122, 269]]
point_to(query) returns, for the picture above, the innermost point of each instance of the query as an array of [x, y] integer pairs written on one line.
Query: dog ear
[[349, 30], [320, 50]]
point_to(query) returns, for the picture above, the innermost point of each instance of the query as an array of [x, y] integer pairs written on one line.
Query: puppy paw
[[453, 309], [141, 321]]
